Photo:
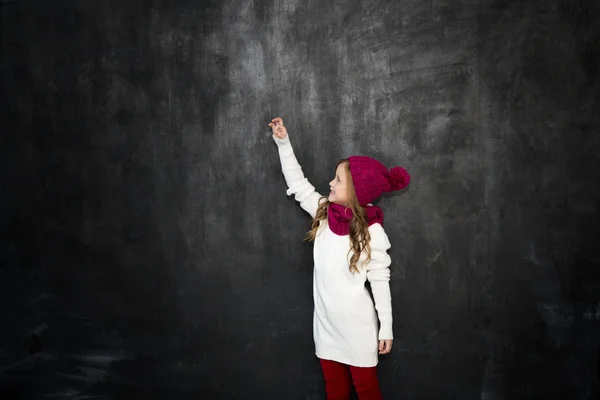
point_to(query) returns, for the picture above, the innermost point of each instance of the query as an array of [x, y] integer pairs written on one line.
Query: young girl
[[350, 247]]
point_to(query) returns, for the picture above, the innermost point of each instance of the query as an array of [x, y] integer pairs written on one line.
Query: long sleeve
[[378, 274], [304, 192]]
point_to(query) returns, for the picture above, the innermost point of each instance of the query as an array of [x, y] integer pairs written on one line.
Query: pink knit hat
[[371, 178]]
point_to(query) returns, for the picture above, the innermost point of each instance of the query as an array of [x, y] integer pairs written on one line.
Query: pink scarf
[[339, 222]]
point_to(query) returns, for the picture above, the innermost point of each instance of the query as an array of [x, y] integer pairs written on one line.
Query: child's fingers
[[278, 129], [385, 346], [388, 346]]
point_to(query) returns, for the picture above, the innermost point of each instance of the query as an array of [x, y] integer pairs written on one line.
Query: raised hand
[[278, 129]]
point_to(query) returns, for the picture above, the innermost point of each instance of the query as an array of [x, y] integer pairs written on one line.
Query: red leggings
[[338, 384]]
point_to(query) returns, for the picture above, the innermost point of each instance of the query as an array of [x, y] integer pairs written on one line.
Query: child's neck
[[339, 217]]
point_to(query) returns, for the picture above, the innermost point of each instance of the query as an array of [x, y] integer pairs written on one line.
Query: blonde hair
[[359, 224]]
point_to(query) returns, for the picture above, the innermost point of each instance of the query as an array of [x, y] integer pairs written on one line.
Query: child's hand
[[278, 128], [385, 346]]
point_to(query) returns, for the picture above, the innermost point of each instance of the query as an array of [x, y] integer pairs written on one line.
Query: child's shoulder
[[376, 228], [378, 235]]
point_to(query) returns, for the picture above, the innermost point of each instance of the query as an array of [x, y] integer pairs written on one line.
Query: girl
[[345, 331]]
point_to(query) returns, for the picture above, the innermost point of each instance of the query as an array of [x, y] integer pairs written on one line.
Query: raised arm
[[304, 192]]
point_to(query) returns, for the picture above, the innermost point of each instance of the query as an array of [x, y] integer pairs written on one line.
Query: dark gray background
[[149, 250]]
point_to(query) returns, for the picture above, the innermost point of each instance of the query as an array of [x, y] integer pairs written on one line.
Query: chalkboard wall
[[149, 250]]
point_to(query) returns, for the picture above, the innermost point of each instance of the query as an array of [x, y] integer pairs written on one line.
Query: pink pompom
[[399, 178]]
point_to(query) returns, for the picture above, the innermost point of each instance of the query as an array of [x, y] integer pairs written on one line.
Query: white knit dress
[[345, 327]]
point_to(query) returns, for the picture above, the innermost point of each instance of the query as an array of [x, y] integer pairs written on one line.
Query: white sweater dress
[[345, 327]]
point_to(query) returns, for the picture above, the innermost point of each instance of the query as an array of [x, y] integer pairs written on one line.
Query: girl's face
[[339, 187]]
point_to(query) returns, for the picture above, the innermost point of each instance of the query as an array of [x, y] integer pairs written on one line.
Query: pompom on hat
[[371, 178]]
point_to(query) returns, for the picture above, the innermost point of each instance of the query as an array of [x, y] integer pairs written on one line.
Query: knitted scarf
[[339, 222]]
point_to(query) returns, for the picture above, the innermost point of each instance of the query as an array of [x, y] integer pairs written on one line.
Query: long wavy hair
[[359, 224]]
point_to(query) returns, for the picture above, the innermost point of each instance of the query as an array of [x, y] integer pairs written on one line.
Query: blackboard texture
[[149, 250]]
